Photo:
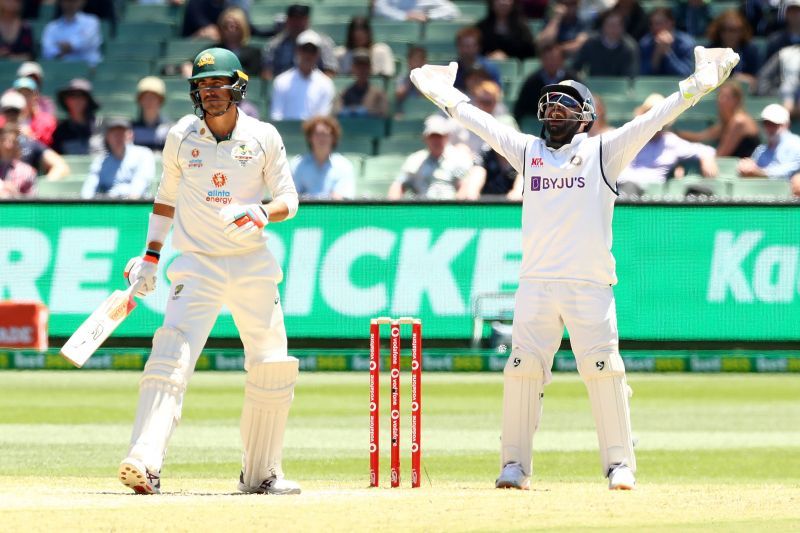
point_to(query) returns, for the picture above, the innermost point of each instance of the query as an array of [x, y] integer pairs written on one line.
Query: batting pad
[[268, 395], [523, 391], [161, 392], [604, 376]]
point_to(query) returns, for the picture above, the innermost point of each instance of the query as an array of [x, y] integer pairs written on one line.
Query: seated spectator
[[361, 99], [600, 125], [35, 123], [234, 34], [359, 35], [415, 10], [468, 46], [634, 18], [416, 56], [125, 170], [438, 172], [693, 17], [589, 11], [660, 155], [564, 28], [17, 179], [323, 173], [200, 18], [486, 96], [491, 175], [665, 51], [303, 91], [32, 69], [504, 31], [762, 15], [609, 53], [75, 36], [552, 71], [731, 30], [280, 51], [779, 157], [102, 9], [790, 34], [45, 160], [74, 134], [780, 77], [736, 133], [16, 35], [151, 126]]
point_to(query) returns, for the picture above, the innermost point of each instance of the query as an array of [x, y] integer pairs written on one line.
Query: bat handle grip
[[135, 287]]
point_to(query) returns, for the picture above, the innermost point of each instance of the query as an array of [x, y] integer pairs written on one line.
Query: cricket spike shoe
[[620, 477], [513, 477], [133, 474], [271, 485]]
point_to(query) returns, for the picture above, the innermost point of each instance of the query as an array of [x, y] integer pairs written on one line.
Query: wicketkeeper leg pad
[[604, 376], [268, 394], [523, 392], [161, 391]]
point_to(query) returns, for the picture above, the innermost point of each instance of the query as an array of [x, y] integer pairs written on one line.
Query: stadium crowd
[[90, 88]]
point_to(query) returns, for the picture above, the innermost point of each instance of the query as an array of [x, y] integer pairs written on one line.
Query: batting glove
[[712, 66], [243, 221], [142, 268], [436, 83]]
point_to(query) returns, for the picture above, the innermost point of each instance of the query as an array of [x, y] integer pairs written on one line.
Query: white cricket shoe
[[133, 474], [271, 485], [512, 477], [620, 477]]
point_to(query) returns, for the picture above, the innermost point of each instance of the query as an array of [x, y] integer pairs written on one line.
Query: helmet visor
[[571, 108]]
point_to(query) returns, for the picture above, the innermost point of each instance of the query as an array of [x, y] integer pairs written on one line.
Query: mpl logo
[[538, 183], [537, 162]]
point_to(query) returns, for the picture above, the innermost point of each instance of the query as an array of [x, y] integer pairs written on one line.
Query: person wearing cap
[[779, 157], [77, 133], [151, 126], [280, 52], [16, 34], [790, 34], [416, 10], [74, 36], [17, 179], [438, 172], [361, 98], [219, 165], [37, 123], [32, 69], [323, 173], [303, 91]]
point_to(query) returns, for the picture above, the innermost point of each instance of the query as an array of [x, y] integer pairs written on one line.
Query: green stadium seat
[[373, 189], [142, 32], [396, 31], [528, 67], [645, 85], [381, 168], [471, 12], [727, 168], [357, 160], [59, 190], [338, 11], [690, 185], [418, 108], [440, 31], [761, 189], [162, 13], [78, 166], [363, 126], [143, 50], [401, 126], [185, 49], [609, 87], [357, 143], [440, 52], [335, 30], [401, 143]]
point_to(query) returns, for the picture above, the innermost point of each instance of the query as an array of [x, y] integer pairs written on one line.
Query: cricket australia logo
[[242, 154], [205, 59]]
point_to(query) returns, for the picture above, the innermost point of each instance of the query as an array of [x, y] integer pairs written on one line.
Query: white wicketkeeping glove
[[436, 83], [144, 269], [242, 222], [712, 66]]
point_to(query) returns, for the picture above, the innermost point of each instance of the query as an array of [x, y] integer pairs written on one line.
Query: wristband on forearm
[[152, 256], [158, 228]]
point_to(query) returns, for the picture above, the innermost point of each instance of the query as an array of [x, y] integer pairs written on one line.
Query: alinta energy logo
[[195, 161], [539, 183], [218, 195]]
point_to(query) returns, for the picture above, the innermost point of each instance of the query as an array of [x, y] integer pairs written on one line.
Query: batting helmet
[[218, 63]]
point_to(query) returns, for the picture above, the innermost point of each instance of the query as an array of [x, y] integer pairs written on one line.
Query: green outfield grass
[[717, 451]]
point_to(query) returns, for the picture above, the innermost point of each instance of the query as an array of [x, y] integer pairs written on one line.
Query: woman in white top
[[359, 35]]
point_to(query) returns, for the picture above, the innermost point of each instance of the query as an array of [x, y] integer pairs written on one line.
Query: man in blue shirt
[[468, 45], [779, 158], [666, 51], [323, 173]]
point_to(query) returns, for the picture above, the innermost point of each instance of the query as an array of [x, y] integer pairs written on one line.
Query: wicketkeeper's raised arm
[[436, 83], [620, 146]]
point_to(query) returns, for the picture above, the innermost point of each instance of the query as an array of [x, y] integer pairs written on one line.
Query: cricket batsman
[[218, 165], [567, 270]]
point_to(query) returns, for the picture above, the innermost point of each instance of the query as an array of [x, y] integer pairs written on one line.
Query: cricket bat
[[100, 324]]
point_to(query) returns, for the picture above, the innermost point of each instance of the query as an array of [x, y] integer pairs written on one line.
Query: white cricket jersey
[[202, 175], [569, 193]]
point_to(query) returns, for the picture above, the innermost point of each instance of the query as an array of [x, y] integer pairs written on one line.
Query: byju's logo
[[538, 183]]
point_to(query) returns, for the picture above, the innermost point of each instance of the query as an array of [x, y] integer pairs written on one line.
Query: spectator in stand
[[17, 179], [552, 71], [280, 52], [611, 52], [534, 9], [74, 134], [564, 28], [16, 35], [491, 175], [125, 170], [439, 171], [468, 46], [589, 11], [36, 123], [234, 34], [780, 76], [45, 160], [660, 155], [790, 34], [504, 31], [361, 99], [416, 10], [151, 126], [323, 173], [75, 36], [731, 30], [634, 17], [32, 69], [359, 35], [102, 9], [486, 96], [666, 51], [303, 91], [736, 133], [600, 125], [779, 157], [200, 18], [762, 15], [416, 56], [693, 17]]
